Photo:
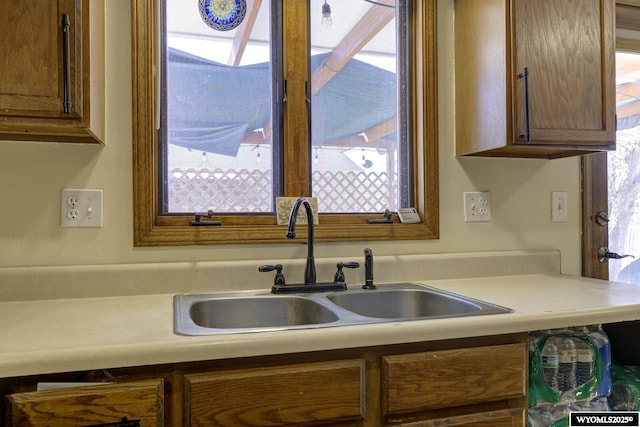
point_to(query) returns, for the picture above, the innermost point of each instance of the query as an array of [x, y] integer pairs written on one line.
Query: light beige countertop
[[91, 333], [84, 329]]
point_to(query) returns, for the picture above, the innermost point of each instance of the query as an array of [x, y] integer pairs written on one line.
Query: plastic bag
[[539, 391]]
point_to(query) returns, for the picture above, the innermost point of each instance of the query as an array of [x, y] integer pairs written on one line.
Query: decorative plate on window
[[223, 15]]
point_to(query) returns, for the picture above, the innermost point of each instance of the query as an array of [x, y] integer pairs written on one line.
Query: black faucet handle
[[279, 277], [339, 276], [350, 264]]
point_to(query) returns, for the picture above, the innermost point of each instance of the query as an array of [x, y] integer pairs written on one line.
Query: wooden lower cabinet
[[449, 378], [466, 382], [310, 394], [140, 401], [500, 418]]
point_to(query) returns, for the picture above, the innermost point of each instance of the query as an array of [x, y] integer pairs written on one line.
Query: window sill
[[179, 235]]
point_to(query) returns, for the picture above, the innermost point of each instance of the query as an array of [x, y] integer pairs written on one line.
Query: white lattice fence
[[347, 192], [230, 190]]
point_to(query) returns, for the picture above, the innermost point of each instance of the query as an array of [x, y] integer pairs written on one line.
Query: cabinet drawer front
[[441, 379], [308, 393], [81, 406], [514, 417]]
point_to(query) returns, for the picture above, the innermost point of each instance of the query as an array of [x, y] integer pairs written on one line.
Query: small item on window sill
[[199, 223], [283, 210], [409, 216], [386, 220]]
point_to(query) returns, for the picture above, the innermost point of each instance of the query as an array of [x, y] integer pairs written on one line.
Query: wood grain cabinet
[[491, 418], [478, 381], [534, 78], [52, 62], [140, 401], [310, 394], [478, 385]]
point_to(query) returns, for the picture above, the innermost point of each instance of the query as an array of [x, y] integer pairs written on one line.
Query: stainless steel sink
[[239, 312], [407, 303], [259, 312]]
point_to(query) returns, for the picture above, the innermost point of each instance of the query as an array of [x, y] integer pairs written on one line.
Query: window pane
[[623, 170], [356, 143], [216, 136]]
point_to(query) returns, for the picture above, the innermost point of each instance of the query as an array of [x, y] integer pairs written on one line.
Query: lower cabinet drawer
[[84, 406], [448, 378], [310, 394], [514, 417]]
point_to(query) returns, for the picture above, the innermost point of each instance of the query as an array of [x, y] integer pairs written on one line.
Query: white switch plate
[[81, 208], [477, 206], [559, 206]]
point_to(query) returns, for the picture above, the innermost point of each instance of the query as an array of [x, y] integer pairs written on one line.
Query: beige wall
[[32, 175]]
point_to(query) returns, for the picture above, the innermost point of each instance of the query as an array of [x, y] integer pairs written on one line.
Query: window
[[623, 166], [221, 138], [607, 177], [390, 153]]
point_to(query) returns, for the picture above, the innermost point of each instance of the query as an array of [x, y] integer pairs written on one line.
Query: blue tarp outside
[[213, 106]]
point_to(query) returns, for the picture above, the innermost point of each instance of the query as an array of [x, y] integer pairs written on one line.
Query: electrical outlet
[[559, 206], [81, 208], [477, 206]]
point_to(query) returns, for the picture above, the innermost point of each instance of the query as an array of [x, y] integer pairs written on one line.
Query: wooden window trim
[[152, 229]]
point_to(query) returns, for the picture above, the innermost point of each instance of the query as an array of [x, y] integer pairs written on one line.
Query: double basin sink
[[255, 311]]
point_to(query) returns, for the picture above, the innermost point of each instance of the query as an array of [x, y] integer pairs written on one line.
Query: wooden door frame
[[594, 200]]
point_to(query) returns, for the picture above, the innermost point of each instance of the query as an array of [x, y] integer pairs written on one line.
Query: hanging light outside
[[326, 15]]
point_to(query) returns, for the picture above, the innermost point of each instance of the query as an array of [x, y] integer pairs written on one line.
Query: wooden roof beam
[[371, 138], [631, 109], [627, 90], [243, 32], [380, 131], [373, 21]]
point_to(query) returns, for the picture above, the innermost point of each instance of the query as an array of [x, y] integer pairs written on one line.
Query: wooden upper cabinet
[[52, 62], [534, 78]]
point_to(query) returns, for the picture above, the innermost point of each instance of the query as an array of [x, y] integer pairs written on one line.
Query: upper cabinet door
[[534, 78], [33, 59], [566, 95], [52, 62]]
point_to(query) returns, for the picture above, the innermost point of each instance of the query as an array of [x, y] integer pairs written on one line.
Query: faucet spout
[[310, 270]]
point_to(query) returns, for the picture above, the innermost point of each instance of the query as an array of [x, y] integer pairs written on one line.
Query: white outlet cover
[[477, 206], [81, 208]]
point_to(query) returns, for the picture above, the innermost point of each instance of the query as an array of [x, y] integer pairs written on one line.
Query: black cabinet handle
[[66, 52], [525, 75], [123, 423]]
